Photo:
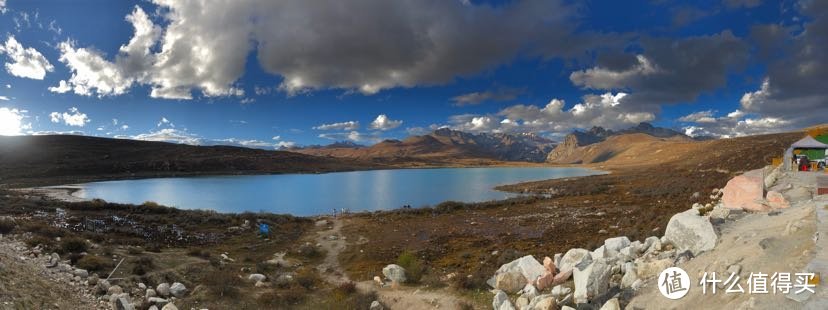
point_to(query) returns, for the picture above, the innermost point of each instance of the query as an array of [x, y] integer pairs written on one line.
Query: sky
[[272, 74]]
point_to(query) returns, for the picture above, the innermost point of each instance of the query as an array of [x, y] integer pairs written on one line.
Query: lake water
[[313, 194]]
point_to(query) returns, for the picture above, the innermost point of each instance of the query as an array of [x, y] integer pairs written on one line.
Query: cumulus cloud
[[4, 98], [11, 122], [382, 122], [72, 118], [733, 124], [25, 62], [666, 70], [607, 110], [3, 8], [349, 125], [500, 94], [164, 121], [365, 46], [179, 136]]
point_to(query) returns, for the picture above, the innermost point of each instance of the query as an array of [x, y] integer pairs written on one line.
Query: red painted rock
[[776, 200], [548, 277], [745, 192]]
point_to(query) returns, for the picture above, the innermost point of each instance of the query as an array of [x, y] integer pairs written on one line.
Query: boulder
[[92, 280], [158, 301], [777, 201], [395, 273], [630, 276], [600, 252], [53, 261], [150, 293], [574, 257], [115, 289], [81, 273], [103, 287], [256, 277], [548, 277], [745, 192], [560, 291], [611, 304], [511, 281], [376, 305], [169, 306], [646, 270], [542, 302], [501, 301], [771, 177], [689, 231], [178, 290], [527, 266], [591, 281], [616, 244], [123, 303], [163, 290]]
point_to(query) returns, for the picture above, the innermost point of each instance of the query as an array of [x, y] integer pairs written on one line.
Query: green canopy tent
[[810, 147]]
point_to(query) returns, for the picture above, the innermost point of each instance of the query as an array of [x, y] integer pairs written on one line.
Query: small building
[[810, 147]]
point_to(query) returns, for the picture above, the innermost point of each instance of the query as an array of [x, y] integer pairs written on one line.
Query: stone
[[600, 252], [529, 292], [122, 303], [557, 258], [64, 267], [559, 291], [630, 276], [103, 287], [719, 212], [53, 261], [510, 281], [163, 290], [260, 284], [115, 289], [527, 266], [150, 293], [158, 301], [689, 231], [256, 277], [542, 302], [616, 244], [378, 280], [376, 305], [776, 200], [548, 277], [574, 257], [567, 308], [500, 300], [611, 304], [629, 253], [646, 270], [320, 223], [153, 307], [92, 280], [591, 281], [81, 273], [169, 306], [395, 273], [142, 286], [178, 290], [771, 177], [745, 192]]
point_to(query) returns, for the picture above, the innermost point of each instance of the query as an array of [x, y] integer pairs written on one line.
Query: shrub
[[134, 250], [197, 252], [73, 245], [308, 250], [223, 284], [46, 243], [307, 278], [6, 226], [150, 204], [278, 299], [94, 263], [412, 265], [143, 265], [42, 229], [346, 288]]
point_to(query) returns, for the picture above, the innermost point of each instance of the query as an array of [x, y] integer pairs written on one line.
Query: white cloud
[[355, 136], [276, 138], [3, 8], [165, 121], [734, 124], [73, 118], [171, 135], [699, 117], [285, 144], [4, 98], [25, 62], [349, 125], [124, 127], [602, 78], [62, 87], [382, 122], [11, 122]]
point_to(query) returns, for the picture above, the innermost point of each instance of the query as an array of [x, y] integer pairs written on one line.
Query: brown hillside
[[630, 149]]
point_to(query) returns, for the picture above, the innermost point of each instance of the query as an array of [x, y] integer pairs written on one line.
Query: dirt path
[[330, 239], [25, 283]]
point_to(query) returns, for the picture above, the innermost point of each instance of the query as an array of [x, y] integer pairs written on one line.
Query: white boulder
[[689, 231], [592, 280], [395, 273], [574, 257]]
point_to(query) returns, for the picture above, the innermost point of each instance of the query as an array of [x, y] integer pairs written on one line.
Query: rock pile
[[581, 278]]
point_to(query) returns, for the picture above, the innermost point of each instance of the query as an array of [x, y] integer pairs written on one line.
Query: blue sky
[[269, 74]]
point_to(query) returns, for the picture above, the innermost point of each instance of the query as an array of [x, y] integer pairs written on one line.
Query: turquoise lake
[[314, 194]]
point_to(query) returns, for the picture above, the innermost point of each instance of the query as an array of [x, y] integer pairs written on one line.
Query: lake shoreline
[[68, 192]]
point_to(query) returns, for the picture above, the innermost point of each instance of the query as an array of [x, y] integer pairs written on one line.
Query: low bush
[[224, 284], [143, 265], [412, 265], [197, 252], [95, 263], [46, 243], [281, 298], [6, 226], [73, 245], [310, 251], [134, 250], [307, 278], [43, 229]]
